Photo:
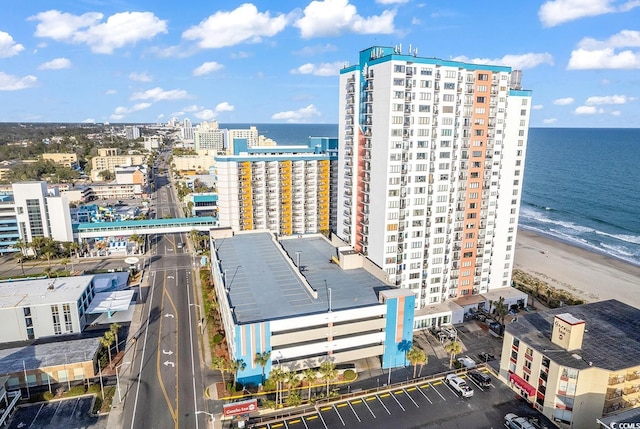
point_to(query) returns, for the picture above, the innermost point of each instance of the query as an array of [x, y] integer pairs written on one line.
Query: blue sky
[[278, 61]]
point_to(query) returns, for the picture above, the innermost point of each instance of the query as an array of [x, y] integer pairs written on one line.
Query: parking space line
[[313, 417], [357, 401], [371, 398], [292, 422], [74, 407], [325, 409], [369, 408], [339, 416], [436, 390], [396, 399], [277, 425], [343, 404], [414, 402], [385, 407], [424, 394], [354, 412], [37, 414], [323, 422]]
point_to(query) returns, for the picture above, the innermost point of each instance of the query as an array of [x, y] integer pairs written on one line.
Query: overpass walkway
[[143, 227]]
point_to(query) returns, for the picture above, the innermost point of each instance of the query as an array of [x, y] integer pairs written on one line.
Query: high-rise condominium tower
[[431, 160]]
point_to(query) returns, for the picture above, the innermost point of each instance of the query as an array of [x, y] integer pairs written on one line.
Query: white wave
[[635, 239], [618, 250]]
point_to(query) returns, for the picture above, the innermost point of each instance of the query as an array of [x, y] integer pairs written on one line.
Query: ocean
[[581, 186]]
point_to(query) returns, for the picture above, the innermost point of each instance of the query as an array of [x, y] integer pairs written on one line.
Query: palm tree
[[19, 257], [235, 366], [194, 235], [292, 379], [114, 327], [20, 244], [309, 375], [64, 262], [501, 311], [417, 357], [328, 372], [73, 248], [47, 271], [49, 254], [219, 363], [277, 375], [262, 359], [453, 348], [106, 340]]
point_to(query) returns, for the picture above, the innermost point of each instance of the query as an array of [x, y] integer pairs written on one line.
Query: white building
[[131, 132], [431, 161], [40, 213], [208, 135], [33, 309]]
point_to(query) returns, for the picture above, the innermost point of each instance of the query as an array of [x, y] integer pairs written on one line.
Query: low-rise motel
[[306, 301], [575, 364]]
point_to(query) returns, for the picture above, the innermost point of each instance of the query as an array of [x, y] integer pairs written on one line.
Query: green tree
[[22, 246], [220, 363], [235, 366], [262, 359], [64, 262], [277, 375], [453, 348], [328, 372], [106, 175], [114, 328], [19, 257], [417, 357], [309, 376], [501, 310], [48, 271], [107, 340], [291, 378]]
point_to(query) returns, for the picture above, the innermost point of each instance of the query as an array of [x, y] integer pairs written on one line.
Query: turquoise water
[[580, 185]]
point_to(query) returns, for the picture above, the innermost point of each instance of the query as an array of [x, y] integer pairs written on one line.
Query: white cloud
[[55, 64], [229, 28], [120, 29], [555, 12], [240, 55], [322, 69], [89, 121], [110, 92], [115, 117], [415, 21], [518, 62], [206, 68], [309, 51], [209, 114], [537, 107], [593, 54], [192, 108], [8, 47], [159, 94], [563, 101], [224, 107], [140, 77], [300, 115], [616, 113], [549, 121], [587, 110], [610, 99], [136, 107], [392, 1], [334, 17], [14, 83]]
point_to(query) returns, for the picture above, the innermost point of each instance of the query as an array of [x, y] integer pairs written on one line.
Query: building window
[[68, 323], [56, 320]]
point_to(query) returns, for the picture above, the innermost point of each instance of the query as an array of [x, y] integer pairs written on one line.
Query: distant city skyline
[[266, 62]]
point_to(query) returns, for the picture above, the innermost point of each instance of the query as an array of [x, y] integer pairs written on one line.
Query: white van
[[459, 385], [467, 362], [512, 421]]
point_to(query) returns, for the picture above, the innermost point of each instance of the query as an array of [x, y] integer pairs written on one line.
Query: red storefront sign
[[522, 384], [238, 408]]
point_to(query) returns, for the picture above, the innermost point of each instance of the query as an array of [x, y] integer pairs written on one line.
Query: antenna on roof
[[52, 285]]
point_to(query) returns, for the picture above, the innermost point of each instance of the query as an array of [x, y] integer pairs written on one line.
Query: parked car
[[482, 379], [486, 357], [512, 421], [459, 385], [467, 362]]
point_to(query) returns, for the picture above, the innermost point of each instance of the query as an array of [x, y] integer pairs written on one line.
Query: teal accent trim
[[259, 158], [520, 92], [350, 69]]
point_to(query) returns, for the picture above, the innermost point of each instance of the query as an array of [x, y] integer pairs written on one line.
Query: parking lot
[[430, 404], [68, 413]]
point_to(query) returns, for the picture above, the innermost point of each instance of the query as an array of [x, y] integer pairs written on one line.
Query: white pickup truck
[[459, 385]]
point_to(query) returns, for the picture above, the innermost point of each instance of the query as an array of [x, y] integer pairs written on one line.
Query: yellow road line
[[277, 425], [424, 386], [357, 401], [399, 392], [437, 382], [384, 395], [325, 409], [411, 389], [177, 349], [373, 398], [294, 421], [341, 405], [158, 354], [312, 417]]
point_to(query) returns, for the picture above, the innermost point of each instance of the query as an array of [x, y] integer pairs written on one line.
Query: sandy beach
[[590, 276]]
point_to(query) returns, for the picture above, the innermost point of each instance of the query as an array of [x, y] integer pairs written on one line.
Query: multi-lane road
[[165, 388]]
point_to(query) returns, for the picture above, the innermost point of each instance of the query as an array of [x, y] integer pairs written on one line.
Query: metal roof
[[33, 292], [264, 283]]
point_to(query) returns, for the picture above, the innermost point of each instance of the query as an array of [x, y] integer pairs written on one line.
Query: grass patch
[[104, 405]]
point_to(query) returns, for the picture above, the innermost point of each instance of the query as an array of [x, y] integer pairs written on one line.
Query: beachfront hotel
[[431, 160], [575, 364], [284, 189]]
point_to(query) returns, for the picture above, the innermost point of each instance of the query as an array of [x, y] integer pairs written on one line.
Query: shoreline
[[588, 275]]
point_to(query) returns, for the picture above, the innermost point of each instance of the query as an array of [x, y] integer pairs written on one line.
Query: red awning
[[522, 384]]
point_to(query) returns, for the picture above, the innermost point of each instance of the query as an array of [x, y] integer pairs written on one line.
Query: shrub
[[76, 391], [349, 375], [217, 339], [47, 396], [94, 389]]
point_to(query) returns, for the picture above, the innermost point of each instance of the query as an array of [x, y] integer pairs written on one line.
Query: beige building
[[575, 364], [64, 159], [200, 163], [110, 158]]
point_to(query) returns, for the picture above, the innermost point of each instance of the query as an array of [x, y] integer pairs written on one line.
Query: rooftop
[[265, 285], [52, 351], [607, 322], [25, 293]]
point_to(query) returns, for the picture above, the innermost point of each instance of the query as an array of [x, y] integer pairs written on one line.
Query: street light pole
[[212, 418], [118, 381]]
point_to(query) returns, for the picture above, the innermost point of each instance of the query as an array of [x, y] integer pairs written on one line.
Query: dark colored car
[[482, 379]]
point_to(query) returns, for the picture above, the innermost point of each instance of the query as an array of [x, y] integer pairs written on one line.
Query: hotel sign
[[238, 408]]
